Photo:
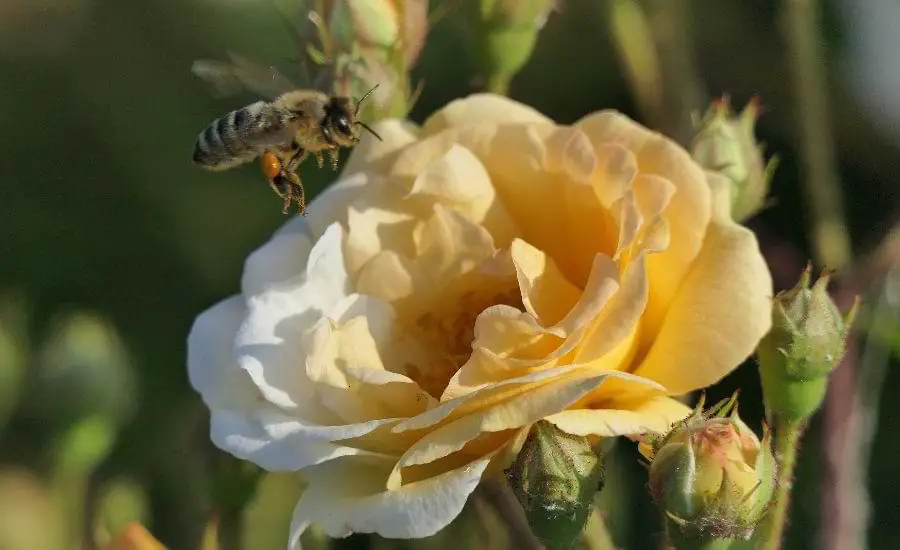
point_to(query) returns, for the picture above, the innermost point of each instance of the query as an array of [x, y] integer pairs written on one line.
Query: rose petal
[[481, 109], [349, 495], [395, 134], [212, 369], [720, 313], [333, 202], [520, 410], [245, 437], [281, 258], [269, 344], [546, 293], [688, 214], [653, 415]]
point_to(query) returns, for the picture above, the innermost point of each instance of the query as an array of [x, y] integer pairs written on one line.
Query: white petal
[[332, 203], [269, 344], [282, 258], [212, 369], [242, 436], [348, 495]]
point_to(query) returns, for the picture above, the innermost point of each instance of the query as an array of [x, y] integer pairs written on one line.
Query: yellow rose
[[462, 281]]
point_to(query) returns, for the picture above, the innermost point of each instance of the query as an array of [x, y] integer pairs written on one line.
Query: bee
[[282, 132]]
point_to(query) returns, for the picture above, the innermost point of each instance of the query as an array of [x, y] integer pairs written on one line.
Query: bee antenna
[[363, 98], [371, 131]]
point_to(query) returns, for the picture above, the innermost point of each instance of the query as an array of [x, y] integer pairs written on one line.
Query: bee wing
[[242, 74]]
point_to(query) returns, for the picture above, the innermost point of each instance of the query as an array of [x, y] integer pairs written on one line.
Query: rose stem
[[844, 487], [787, 441]]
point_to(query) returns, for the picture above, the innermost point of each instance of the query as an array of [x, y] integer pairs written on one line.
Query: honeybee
[[282, 133]]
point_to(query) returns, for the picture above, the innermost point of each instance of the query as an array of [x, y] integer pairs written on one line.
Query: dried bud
[[726, 144], [503, 35], [555, 477], [711, 476], [805, 344]]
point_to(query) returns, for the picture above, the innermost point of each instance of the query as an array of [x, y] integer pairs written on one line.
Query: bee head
[[341, 125]]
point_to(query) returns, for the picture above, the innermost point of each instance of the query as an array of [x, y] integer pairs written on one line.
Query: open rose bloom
[[462, 281]]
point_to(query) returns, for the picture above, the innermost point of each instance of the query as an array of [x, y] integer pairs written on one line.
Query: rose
[[462, 281]]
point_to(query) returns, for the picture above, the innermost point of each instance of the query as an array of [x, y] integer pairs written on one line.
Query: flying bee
[[282, 133]]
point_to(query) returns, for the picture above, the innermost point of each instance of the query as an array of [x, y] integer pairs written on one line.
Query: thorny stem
[[787, 441]]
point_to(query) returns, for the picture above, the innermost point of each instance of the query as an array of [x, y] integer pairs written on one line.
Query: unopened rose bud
[[503, 34], [555, 477], [394, 26], [369, 42], [805, 344], [712, 477], [726, 143]]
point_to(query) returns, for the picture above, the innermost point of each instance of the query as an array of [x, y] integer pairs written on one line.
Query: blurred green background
[[111, 242]]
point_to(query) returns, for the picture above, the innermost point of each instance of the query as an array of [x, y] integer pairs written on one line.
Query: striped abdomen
[[240, 136]]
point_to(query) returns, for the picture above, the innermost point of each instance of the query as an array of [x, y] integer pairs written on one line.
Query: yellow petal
[[619, 320], [388, 276], [688, 214], [368, 231], [588, 226], [569, 151], [441, 170], [656, 415], [480, 109], [520, 410], [546, 293], [448, 245], [719, 315], [607, 126], [394, 133]]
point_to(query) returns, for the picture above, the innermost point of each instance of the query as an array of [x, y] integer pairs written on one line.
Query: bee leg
[[295, 161], [291, 190], [335, 156], [300, 196], [320, 159], [283, 188]]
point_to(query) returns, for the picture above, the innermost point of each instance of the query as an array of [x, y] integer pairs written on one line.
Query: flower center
[[446, 333]]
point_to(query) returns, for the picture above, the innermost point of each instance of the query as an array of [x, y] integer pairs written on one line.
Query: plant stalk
[[830, 240], [787, 442]]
